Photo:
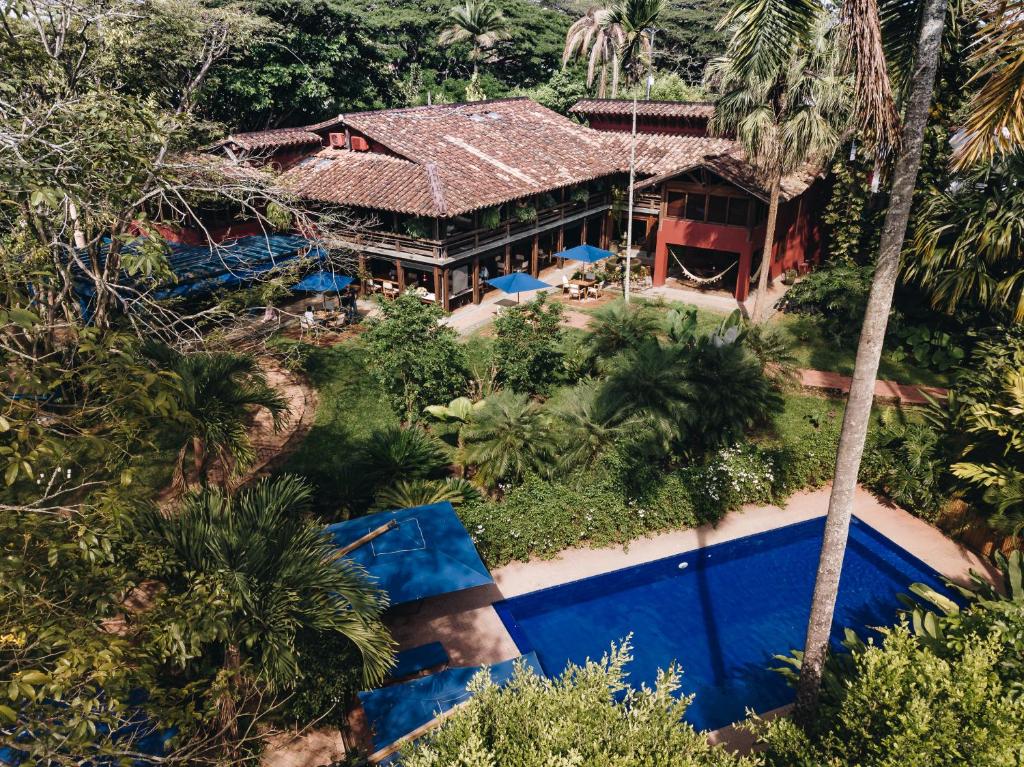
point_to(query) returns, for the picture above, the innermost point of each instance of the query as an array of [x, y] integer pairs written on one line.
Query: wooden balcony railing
[[458, 244]]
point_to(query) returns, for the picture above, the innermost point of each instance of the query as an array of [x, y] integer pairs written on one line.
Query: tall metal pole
[[629, 224]]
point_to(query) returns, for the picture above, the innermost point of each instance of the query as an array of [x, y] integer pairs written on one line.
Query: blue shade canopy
[[198, 269], [324, 282], [517, 282], [429, 553], [395, 711], [588, 254]]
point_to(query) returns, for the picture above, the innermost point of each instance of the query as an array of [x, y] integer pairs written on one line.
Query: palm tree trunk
[[766, 251], [602, 87], [198, 457], [227, 705], [869, 352]]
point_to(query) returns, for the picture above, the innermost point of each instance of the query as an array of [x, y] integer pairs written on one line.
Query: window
[[676, 204], [695, 207], [738, 208], [718, 209]]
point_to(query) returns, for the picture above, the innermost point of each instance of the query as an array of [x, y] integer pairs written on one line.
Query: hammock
[[703, 280]]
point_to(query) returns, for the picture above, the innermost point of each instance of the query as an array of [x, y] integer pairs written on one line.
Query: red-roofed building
[[450, 195]]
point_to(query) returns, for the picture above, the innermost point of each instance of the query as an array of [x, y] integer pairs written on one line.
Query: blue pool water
[[722, 617]]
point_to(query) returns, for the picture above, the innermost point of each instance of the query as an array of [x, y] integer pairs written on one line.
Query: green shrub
[[588, 716], [527, 346], [836, 292], [414, 359], [903, 705], [391, 455], [905, 462]]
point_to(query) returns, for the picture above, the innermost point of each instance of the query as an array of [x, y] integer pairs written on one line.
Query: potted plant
[[580, 195], [490, 218]]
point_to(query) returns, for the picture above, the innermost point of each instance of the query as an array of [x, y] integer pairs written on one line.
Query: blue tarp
[[198, 269], [323, 282], [393, 712], [588, 254], [517, 282], [429, 553], [416, 659]]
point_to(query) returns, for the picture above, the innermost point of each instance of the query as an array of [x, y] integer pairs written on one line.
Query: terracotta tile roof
[[661, 157], [700, 109], [451, 159], [271, 139], [460, 157], [366, 180]]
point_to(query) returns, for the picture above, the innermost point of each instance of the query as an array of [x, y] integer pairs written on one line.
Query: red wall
[[798, 239], [186, 236]]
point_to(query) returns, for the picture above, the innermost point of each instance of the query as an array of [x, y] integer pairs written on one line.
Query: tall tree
[[921, 81], [786, 112], [593, 37], [478, 22], [637, 19]]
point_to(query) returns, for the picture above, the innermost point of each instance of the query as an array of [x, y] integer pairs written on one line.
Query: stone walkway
[[905, 394]]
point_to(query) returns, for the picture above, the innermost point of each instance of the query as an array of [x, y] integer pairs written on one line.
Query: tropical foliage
[[588, 715], [527, 347], [417, 361], [506, 439], [968, 240], [267, 572], [216, 396]]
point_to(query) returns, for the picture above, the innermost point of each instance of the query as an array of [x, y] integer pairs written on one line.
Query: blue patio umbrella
[[588, 254], [517, 282], [324, 282]]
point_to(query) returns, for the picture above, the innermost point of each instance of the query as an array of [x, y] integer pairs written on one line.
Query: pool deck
[[471, 631]]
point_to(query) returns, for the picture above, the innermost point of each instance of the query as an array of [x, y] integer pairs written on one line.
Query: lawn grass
[[816, 350]]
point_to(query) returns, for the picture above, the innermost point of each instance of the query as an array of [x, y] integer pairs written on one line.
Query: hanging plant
[[580, 194], [417, 227], [525, 213], [491, 218]]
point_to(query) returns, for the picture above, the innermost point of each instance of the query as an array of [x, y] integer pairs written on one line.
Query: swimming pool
[[722, 612]]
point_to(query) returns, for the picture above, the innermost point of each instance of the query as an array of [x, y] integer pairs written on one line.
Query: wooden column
[[439, 287], [476, 279], [561, 245], [583, 232], [362, 270], [400, 273], [534, 253]]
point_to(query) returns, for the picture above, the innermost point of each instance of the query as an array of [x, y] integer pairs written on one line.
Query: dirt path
[[272, 447], [905, 394]]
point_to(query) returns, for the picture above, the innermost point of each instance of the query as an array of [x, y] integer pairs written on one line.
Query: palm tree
[[636, 19], [585, 427], [995, 115], [423, 492], [618, 327], [276, 573], [785, 112], [593, 37], [968, 240], [872, 337], [217, 392], [648, 382], [394, 453], [479, 22], [506, 439]]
